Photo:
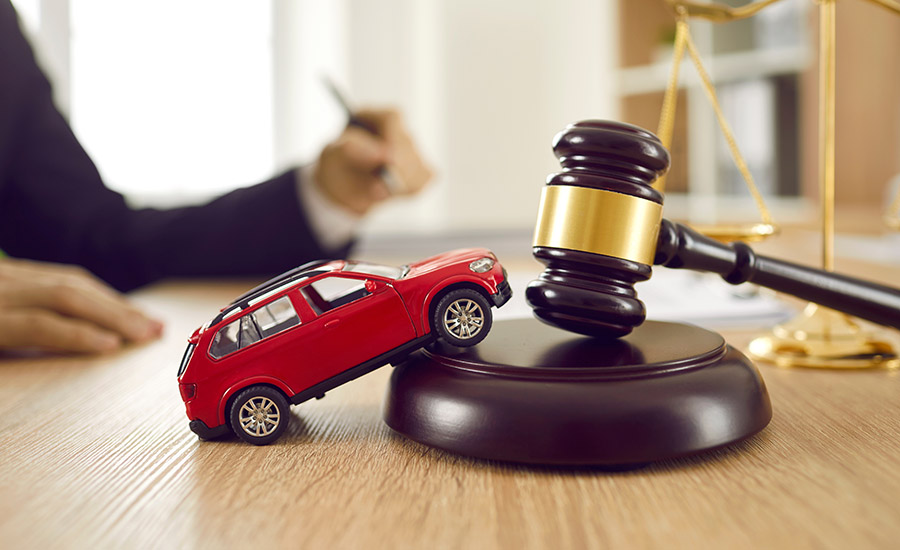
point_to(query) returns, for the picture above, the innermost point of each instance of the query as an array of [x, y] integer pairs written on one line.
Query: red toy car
[[323, 324]]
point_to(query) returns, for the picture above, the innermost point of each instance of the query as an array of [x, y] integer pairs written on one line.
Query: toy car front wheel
[[259, 414], [462, 317]]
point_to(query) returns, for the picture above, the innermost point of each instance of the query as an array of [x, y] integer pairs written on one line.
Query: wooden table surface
[[96, 452]]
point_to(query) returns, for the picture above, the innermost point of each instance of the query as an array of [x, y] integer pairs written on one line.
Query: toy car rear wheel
[[462, 317], [259, 414]]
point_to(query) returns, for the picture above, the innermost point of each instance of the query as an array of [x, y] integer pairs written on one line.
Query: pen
[[391, 180]]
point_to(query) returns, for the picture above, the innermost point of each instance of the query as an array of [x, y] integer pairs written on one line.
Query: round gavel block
[[597, 228], [531, 393]]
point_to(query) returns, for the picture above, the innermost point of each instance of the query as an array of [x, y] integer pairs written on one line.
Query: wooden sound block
[[532, 393]]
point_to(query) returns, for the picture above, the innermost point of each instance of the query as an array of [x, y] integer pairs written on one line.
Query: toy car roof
[[304, 271]]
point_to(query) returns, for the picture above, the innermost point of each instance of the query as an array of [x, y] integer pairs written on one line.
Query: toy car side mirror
[[371, 286]]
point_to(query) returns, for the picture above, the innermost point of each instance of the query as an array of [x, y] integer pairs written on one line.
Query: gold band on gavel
[[598, 221]]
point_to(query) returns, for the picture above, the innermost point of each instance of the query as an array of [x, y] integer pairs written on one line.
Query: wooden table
[[96, 452]]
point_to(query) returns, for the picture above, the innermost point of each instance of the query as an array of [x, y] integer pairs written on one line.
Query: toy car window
[[275, 317], [226, 340], [249, 332], [331, 292], [186, 359], [234, 336]]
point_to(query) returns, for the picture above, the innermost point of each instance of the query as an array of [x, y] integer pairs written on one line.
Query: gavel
[[600, 228]]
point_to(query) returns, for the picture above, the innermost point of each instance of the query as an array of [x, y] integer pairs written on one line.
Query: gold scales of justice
[[818, 337]]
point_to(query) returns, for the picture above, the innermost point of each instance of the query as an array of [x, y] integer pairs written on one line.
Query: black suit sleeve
[[55, 207]]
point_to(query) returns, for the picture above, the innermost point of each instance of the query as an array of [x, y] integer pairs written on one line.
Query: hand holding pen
[[372, 159]]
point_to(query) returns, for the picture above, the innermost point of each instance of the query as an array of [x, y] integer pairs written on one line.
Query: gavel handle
[[682, 247]]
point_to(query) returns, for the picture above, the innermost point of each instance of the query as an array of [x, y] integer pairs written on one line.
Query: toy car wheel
[[259, 414], [462, 317]]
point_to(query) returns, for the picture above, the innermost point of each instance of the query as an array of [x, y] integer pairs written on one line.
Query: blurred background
[[181, 100]]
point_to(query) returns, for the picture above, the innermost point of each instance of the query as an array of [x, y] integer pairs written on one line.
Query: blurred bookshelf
[[764, 69], [756, 66]]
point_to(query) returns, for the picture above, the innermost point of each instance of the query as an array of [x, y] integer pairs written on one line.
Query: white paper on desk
[[680, 295]]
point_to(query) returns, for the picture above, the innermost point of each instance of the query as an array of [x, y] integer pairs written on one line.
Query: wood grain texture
[[96, 452]]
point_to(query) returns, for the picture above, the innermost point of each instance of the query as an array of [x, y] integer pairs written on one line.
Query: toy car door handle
[[332, 323]]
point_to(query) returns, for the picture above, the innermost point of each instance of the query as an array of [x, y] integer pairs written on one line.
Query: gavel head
[[597, 228]]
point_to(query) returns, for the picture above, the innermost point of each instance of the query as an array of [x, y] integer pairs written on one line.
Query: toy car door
[[357, 320]]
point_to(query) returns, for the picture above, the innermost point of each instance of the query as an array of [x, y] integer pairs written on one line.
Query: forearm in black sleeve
[[255, 231]]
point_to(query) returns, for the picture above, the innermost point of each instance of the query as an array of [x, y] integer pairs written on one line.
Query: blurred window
[[173, 98], [29, 14]]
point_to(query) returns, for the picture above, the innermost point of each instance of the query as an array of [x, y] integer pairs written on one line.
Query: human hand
[[348, 169], [66, 309]]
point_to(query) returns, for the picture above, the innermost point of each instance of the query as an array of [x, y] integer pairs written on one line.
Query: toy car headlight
[[481, 265]]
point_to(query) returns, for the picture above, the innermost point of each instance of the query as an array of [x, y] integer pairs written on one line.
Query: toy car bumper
[[504, 293], [200, 428]]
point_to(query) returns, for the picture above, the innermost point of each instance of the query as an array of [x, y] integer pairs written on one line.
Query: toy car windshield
[[388, 271]]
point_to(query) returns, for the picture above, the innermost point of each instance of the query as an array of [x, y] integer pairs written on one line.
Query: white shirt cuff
[[333, 225]]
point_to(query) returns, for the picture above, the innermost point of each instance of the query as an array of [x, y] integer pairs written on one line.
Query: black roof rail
[[243, 301], [275, 281]]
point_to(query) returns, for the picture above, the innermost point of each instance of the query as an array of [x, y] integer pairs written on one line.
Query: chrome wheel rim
[[464, 318], [259, 416]]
